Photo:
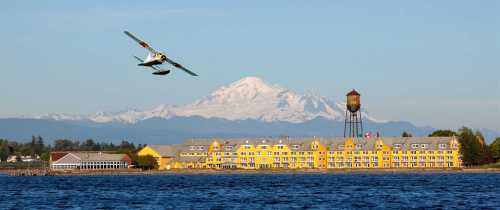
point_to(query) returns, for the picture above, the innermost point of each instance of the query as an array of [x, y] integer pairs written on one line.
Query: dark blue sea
[[255, 191]]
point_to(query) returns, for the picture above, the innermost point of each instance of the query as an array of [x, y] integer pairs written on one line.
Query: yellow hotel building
[[310, 153]]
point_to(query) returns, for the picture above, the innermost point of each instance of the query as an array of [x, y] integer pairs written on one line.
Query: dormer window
[[442, 146], [295, 146], [192, 147], [201, 147], [414, 146], [359, 146], [229, 147], [397, 146], [423, 146]]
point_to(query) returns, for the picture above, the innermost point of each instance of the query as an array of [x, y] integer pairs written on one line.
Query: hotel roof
[[167, 150]]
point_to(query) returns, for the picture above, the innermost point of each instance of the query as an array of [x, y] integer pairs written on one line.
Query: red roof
[[54, 156], [353, 93], [127, 158]]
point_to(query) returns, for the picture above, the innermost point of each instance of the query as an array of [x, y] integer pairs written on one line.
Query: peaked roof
[[54, 156], [91, 156], [353, 93], [98, 156], [166, 150]]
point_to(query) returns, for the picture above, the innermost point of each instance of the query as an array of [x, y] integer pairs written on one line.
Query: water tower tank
[[353, 101]]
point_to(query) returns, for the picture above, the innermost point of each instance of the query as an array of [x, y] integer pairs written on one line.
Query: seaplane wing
[[159, 71], [142, 43], [177, 65]]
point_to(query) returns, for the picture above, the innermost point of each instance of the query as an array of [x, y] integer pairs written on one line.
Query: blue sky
[[429, 62]]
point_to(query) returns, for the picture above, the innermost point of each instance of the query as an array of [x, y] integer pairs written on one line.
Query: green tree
[[495, 149], [443, 133], [4, 150], [473, 149], [88, 145], [485, 154], [146, 162], [38, 145], [66, 145], [406, 134], [45, 156]]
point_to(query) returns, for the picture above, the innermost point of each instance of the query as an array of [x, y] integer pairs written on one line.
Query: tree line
[[37, 147], [34, 148], [473, 146]]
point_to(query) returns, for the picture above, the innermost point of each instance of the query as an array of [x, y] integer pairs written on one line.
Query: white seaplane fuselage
[[154, 59]]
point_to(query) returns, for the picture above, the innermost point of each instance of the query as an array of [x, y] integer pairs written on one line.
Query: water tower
[[353, 126]]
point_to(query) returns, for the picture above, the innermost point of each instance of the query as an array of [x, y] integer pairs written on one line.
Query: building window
[[359, 146], [295, 146], [397, 146], [442, 146], [414, 146]]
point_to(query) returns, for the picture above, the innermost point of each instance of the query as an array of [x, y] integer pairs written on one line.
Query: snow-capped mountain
[[247, 98], [253, 98]]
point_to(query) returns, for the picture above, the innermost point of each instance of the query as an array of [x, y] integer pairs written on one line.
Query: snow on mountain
[[247, 98], [132, 116], [60, 117], [253, 98]]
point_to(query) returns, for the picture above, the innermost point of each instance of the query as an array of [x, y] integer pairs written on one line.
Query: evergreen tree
[[472, 148], [88, 145], [39, 146], [495, 150], [4, 150], [443, 133], [484, 152], [406, 134]]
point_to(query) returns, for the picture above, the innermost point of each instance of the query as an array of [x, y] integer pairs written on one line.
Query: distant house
[[12, 159], [23, 158], [88, 161]]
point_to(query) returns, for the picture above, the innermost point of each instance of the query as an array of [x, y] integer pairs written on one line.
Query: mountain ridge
[[247, 98]]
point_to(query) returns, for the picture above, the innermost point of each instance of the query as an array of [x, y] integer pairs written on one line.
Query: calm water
[[254, 191]]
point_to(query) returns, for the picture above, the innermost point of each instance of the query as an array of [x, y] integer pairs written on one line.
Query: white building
[[24, 158], [89, 161]]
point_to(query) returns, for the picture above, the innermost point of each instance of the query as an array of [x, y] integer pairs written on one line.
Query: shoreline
[[24, 172]]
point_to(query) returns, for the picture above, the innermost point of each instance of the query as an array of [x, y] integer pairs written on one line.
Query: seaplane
[[155, 58]]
